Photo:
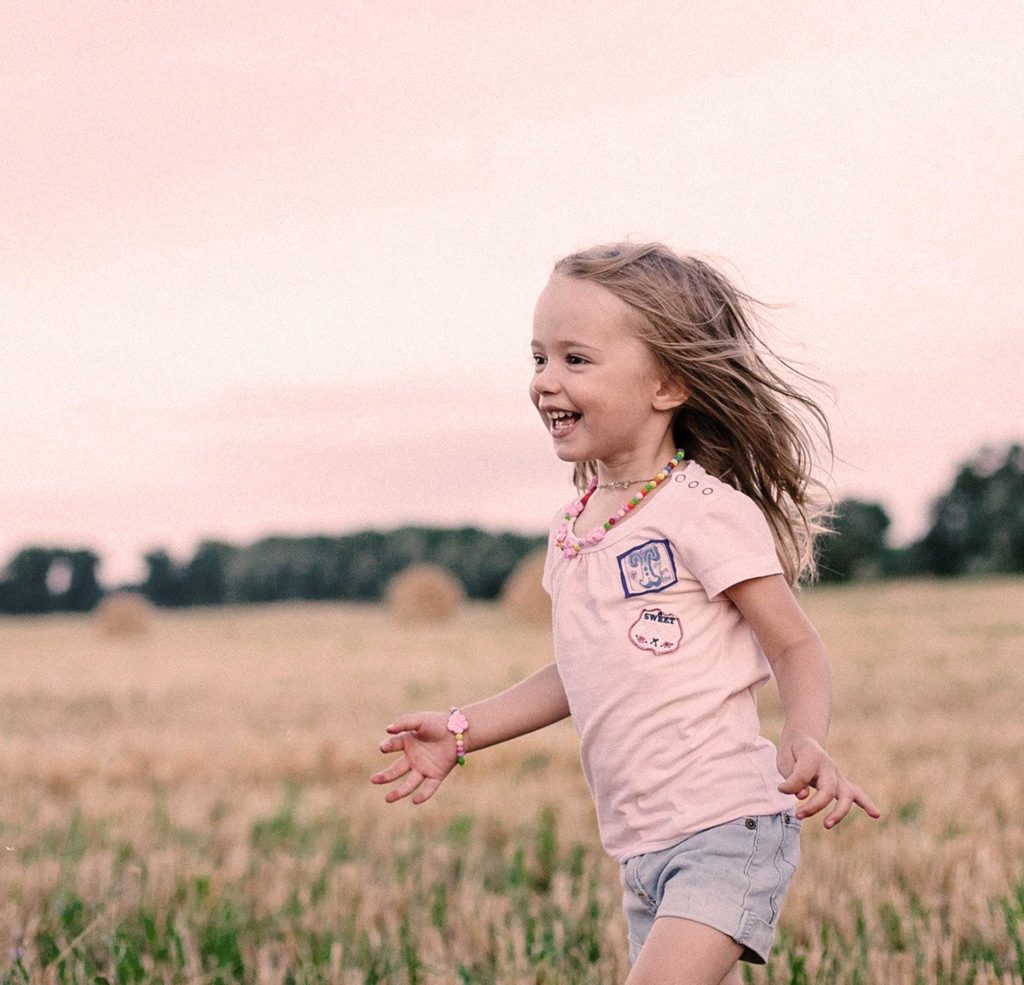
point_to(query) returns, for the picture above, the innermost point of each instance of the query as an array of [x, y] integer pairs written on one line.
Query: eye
[[538, 360], [574, 360]]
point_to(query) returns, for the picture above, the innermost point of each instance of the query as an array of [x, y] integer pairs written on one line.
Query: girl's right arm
[[428, 748]]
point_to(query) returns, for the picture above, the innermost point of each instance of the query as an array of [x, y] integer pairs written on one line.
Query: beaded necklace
[[571, 546]]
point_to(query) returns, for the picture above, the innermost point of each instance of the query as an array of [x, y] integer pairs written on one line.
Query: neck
[[635, 468]]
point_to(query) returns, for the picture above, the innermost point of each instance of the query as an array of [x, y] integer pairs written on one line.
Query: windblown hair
[[744, 421]]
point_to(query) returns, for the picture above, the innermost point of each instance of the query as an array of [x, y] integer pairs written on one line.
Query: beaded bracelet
[[458, 724]]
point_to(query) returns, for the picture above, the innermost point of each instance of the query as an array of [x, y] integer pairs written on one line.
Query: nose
[[544, 381]]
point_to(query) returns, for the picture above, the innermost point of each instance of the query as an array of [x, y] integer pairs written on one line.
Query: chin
[[568, 455]]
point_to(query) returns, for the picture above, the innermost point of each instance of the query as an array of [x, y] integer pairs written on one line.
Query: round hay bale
[[424, 593], [523, 596], [122, 614]]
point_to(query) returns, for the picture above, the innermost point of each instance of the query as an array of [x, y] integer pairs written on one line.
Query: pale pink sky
[[272, 268]]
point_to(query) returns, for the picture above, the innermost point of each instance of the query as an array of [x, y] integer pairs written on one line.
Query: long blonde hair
[[744, 421]]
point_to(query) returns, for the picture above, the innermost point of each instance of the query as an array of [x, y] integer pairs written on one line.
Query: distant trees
[[163, 584], [201, 581], [355, 567], [45, 579], [360, 565], [977, 527], [856, 547]]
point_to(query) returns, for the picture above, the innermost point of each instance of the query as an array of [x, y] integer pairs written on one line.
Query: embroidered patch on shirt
[[657, 631], [647, 568]]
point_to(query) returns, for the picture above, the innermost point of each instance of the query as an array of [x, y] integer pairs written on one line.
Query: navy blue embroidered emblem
[[647, 568]]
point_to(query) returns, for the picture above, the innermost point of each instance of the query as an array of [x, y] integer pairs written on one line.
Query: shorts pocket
[[786, 861], [634, 881], [791, 845]]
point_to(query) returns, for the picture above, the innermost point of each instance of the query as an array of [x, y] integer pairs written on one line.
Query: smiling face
[[596, 385]]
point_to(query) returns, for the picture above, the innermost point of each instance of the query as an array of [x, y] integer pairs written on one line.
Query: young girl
[[670, 584]]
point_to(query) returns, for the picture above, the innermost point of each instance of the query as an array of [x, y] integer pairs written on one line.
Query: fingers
[[847, 794], [411, 783], [818, 802], [393, 743], [827, 783], [795, 785], [798, 781], [866, 803], [392, 772], [810, 766], [427, 785], [843, 804], [827, 791], [426, 791]]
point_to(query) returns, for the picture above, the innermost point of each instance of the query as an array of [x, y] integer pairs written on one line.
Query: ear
[[670, 394]]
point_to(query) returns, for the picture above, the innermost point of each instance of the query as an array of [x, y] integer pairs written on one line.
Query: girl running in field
[[670, 583]]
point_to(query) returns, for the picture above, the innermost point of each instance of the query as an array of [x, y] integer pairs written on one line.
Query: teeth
[[562, 421]]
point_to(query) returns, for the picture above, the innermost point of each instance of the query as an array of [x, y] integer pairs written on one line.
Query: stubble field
[[194, 805]]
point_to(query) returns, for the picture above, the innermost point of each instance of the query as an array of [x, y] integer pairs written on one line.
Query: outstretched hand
[[428, 755], [804, 763]]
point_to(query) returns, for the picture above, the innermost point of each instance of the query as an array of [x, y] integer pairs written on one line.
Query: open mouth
[[562, 422]]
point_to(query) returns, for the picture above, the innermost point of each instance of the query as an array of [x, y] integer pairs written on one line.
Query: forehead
[[580, 309]]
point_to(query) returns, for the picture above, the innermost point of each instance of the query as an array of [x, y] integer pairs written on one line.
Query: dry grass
[[424, 593], [228, 752]]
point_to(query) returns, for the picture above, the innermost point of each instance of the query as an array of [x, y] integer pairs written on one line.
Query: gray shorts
[[732, 877]]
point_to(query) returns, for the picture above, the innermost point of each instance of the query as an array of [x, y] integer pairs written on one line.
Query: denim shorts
[[731, 876]]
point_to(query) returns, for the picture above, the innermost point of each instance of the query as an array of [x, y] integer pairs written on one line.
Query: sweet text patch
[[657, 631]]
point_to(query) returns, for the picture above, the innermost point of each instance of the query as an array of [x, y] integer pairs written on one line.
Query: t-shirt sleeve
[[729, 542]]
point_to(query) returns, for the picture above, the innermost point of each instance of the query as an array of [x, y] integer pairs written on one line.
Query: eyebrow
[[566, 344]]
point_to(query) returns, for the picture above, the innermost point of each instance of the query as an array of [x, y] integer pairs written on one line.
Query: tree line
[[355, 567], [977, 527]]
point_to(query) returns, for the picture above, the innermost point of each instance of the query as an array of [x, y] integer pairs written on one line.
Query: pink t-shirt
[[660, 668]]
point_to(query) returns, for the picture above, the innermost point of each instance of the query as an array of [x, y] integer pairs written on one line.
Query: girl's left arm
[[798, 659]]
